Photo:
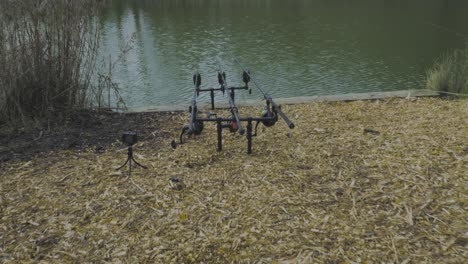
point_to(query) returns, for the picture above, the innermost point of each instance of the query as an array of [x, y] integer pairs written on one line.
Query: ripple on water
[[302, 48]]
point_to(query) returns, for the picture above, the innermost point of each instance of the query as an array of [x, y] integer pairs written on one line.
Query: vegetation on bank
[[48, 53], [48, 57], [450, 73]]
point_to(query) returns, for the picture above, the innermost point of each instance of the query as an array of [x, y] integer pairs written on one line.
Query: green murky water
[[294, 47]]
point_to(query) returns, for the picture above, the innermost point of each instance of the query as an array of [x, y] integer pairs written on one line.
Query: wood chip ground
[[356, 182]]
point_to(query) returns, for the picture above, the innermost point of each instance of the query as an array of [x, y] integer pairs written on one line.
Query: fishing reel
[[197, 125], [233, 126], [273, 118], [271, 121], [197, 129]]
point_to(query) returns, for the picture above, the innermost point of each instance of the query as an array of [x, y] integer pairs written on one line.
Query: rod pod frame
[[268, 118]]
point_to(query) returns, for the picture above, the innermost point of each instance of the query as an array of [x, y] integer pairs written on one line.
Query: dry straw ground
[[358, 182]]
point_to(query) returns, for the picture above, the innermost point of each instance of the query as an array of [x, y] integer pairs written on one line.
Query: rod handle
[[285, 118], [239, 124]]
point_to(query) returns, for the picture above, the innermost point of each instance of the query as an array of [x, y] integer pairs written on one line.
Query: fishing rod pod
[[268, 117]]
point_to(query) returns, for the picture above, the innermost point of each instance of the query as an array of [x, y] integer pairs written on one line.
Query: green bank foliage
[[450, 73], [48, 55]]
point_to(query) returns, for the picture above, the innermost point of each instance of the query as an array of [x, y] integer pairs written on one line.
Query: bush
[[48, 55], [450, 73]]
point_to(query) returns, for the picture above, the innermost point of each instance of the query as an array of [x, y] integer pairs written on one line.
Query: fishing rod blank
[[232, 105], [267, 97], [195, 127]]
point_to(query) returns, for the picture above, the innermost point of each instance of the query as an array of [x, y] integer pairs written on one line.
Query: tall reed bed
[[48, 52], [449, 74]]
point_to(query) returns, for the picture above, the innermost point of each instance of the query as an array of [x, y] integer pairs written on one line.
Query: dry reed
[[47, 56]]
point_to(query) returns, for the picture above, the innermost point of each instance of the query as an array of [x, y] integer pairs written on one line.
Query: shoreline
[[296, 100], [100, 128]]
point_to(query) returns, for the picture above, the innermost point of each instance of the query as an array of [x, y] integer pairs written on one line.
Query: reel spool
[[197, 125], [233, 126], [273, 118], [267, 113]]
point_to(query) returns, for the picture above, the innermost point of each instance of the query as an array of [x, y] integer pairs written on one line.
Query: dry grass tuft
[[326, 192], [449, 75]]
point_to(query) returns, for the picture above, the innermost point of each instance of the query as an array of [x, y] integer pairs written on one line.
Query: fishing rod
[[276, 109], [235, 114], [194, 126], [232, 105]]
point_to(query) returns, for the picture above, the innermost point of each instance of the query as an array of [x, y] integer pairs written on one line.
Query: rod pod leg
[[219, 127], [212, 99], [249, 136]]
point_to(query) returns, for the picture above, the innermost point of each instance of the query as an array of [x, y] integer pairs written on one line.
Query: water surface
[[294, 47]]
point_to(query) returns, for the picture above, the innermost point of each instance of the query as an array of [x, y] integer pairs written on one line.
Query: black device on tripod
[[130, 138]]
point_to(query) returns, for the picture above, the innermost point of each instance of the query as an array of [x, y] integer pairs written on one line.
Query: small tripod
[[130, 138], [129, 161]]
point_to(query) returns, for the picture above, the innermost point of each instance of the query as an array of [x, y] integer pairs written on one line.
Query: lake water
[[294, 47]]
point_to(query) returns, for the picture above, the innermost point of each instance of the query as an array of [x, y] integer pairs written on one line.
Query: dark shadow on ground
[[93, 130]]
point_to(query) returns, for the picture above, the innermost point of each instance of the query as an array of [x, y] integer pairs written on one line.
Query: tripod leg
[[130, 167], [128, 159], [136, 162], [219, 128], [249, 136]]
